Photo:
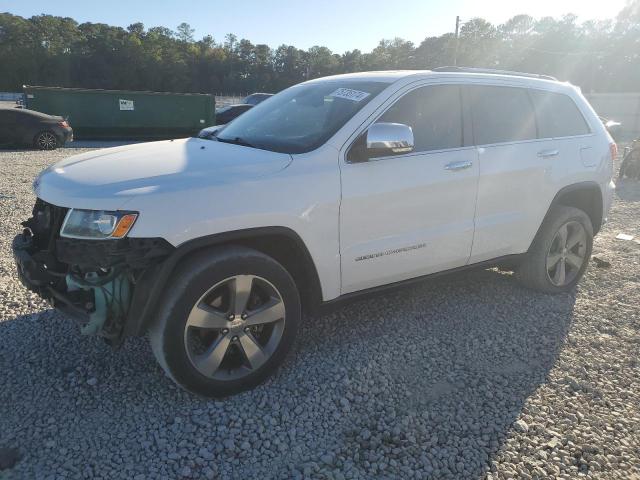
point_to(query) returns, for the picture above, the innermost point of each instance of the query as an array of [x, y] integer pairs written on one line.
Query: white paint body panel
[[516, 185], [109, 178], [190, 188], [408, 210], [513, 192]]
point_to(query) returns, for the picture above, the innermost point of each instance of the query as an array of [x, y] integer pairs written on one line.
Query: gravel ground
[[468, 376]]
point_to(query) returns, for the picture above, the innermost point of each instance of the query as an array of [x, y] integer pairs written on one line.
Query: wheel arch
[[586, 196], [281, 243]]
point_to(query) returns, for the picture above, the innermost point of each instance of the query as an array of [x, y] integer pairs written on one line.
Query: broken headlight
[[97, 224]]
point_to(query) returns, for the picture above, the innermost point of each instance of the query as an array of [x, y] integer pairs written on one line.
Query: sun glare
[[497, 11]]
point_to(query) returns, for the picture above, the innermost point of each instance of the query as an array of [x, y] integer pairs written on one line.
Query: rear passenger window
[[501, 114], [435, 115], [557, 115]]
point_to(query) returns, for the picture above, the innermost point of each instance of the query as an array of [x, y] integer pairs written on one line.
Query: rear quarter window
[[557, 115]]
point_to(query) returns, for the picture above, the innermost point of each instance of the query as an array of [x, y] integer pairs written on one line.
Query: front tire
[[560, 252], [228, 320]]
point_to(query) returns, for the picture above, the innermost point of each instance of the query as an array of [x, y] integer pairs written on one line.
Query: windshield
[[301, 118]]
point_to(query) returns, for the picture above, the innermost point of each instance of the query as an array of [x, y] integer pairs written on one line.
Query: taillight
[[613, 149], [63, 124]]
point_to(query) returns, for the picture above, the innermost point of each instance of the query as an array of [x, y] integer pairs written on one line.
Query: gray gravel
[[468, 376]]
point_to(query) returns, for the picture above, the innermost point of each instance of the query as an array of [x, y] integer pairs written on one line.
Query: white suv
[[331, 188]]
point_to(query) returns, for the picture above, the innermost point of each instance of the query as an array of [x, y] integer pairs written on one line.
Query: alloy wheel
[[235, 327], [47, 141], [567, 253]]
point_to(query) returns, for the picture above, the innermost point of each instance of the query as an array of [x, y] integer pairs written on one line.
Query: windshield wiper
[[235, 141], [208, 136]]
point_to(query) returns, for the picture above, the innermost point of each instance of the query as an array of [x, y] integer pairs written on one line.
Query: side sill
[[346, 299]]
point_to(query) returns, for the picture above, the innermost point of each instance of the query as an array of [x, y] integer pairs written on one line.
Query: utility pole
[[455, 52]]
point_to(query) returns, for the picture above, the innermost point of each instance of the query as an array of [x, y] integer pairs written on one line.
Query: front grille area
[[91, 280], [94, 281], [44, 225], [134, 253], [60, 253]]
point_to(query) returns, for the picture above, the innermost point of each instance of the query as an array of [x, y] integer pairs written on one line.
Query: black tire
[[191, 284], [46, 140], [533, 272]]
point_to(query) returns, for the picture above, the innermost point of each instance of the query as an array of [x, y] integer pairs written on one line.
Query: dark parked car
[[256, 98], [19, 126], [228, 113]]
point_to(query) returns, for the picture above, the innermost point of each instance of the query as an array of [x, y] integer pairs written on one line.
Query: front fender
[[155, 279]]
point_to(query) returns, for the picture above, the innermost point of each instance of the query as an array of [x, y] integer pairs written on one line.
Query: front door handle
[[454, 166], [548, 153]]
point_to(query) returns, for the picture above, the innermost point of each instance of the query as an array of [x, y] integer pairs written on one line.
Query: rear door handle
[[548, 153], [454, 166]]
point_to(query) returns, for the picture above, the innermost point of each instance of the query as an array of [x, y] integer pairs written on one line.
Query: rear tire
[[46, 140], [228, 319], [560, 252]]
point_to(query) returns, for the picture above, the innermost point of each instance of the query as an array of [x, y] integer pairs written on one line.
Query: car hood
[[108, 178]]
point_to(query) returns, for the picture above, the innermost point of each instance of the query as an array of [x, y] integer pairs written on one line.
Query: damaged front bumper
[[92, 281]]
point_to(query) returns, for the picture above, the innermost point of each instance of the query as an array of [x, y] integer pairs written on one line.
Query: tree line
[[599, 56]]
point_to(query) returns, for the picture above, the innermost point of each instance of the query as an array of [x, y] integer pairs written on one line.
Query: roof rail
[[493, 71]]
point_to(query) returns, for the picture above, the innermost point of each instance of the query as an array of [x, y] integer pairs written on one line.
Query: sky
[[340, 25]]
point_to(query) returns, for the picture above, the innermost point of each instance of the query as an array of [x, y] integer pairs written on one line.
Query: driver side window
[[434, 113]]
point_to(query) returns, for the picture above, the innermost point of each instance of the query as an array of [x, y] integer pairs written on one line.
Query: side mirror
[[389, 139], [382, 140]]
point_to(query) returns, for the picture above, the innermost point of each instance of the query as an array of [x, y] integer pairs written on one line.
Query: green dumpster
[[122, 114]]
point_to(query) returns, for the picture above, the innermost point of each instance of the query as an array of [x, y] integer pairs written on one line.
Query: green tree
[[320, 62], [184, 32], [478, 45], [393, 54], [50, 50]]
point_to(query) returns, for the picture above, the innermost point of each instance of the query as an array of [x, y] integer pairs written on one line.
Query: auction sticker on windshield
[[349, 94]]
